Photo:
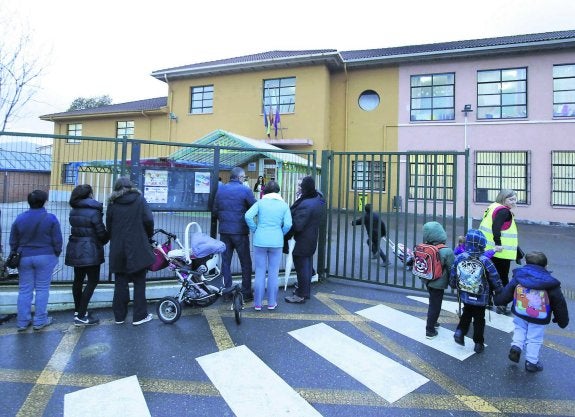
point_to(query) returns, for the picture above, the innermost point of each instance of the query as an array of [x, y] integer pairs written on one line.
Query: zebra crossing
[[256, 389]]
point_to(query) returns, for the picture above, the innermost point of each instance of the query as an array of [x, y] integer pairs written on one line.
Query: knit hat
[[307, 186]]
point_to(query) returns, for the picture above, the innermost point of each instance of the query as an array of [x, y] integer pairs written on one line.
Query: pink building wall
[[539, 133]]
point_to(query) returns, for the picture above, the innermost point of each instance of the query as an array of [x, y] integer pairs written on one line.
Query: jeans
[[434, 309], [304, 270], [82, 298], [122, 295], [35, 274], [528, 336], [270, 259], [241, 244], [477, 313]]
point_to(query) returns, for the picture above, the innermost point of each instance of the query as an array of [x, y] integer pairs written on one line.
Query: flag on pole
[[265, 117], [277, 119]]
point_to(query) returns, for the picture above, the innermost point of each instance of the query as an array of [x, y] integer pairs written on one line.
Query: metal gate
[[405, 189]]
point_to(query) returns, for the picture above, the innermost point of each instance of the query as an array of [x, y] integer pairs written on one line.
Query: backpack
[[531, 303], [470, 274], [426, 261]]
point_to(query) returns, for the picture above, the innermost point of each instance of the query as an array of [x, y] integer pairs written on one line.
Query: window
[[125, 128], [431, 176], [368, 100], [202, 99], [280, 91], [68, 174], [432, 97], [502, 94], [74, 129], [562, 174], [498, 170], [368, 176], [564, 90]]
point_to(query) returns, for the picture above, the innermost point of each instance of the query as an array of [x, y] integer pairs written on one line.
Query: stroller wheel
[[169, 310], [238, 305]]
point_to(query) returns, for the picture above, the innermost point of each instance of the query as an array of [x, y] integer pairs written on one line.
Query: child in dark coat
[[474, 304], [530, 309], [375, 228]]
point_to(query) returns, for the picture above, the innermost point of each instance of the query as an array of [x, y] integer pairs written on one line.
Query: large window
[[280, 91], [431, 177], [202, 99], [432, 97], [74, 129], [502, 93], [562, 174], [498, 170], [564, 90], [125, 128], [368, 176]]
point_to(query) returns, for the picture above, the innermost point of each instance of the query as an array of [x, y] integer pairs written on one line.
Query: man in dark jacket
[[375, 228], [307, 214], [130, 224], [230, 205]]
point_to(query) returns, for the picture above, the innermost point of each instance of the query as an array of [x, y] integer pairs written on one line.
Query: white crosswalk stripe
[[414, 328], [250, 387], [382, 375], [497, 321]]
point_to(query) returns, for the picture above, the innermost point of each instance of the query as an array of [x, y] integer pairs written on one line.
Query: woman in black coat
[[85, 250], [130, 224]]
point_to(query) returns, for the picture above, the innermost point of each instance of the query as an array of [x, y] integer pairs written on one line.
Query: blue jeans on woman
[[266, 258], [35, 275]]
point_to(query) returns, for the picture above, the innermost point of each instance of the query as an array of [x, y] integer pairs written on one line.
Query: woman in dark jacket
[[85, 249], [130, 224]]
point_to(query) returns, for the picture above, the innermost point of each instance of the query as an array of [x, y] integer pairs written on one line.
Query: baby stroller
[[196, 264], [403, 253]]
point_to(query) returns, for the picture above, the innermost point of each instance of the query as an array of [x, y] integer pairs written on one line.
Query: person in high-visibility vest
[[498, 226]]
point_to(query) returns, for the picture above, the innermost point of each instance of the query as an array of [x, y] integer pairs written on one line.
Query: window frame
[[125, 129], [68, 175], [567, 107], [284, 94], [501, 106], [201, 99], [562, 174], [432, 176], [444, 113], [73, 130], [374, 175], [498, 166]]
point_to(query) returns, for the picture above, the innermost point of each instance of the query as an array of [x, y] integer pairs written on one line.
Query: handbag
[[13, 260]]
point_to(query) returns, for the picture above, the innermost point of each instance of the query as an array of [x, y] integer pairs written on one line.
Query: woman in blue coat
[[85, 249], [273, 222]]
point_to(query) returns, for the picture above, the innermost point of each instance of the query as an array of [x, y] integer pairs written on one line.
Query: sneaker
[[514, 354], [146, 319], [295, 299], [119, 321], [86, 321], [479, 347], [45, 324], [533, 367], [294, 293], [272, 307], [459, 338], [436, 326], [258, 308], [24, 328], [431, 335]]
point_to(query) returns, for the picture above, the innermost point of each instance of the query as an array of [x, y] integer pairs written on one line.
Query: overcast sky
[[93, 48]]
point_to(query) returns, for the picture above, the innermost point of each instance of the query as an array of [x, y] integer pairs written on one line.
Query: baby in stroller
[[196, 263]]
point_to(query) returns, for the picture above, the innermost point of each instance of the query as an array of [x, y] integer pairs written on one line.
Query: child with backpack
[[475, 277], [433, 259], [535, 295]]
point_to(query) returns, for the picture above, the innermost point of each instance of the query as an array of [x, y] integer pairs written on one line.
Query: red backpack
[[426, 261]]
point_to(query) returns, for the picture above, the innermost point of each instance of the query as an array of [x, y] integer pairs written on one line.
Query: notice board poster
[[177, 189]]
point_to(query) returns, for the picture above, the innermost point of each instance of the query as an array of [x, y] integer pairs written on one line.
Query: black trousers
[[503, 266], [82, 297], [241, 244], [477, 314], [304, 270], [434, 308], [374, 246], [122, 295]]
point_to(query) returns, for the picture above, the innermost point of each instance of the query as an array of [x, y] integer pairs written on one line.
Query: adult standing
[[85, 250], [498, 226], [307, 214], [259, 187], [230, 206], [273, 222], [130, 224], [36, 234]]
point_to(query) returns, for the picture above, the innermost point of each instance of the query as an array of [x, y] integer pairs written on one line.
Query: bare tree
[[19, 72]]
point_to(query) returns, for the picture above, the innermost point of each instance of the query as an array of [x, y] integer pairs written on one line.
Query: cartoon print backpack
[[531, 303], [426, 261], [471, 275]]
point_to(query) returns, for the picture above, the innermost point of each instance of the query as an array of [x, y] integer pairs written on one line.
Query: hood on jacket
[[475, 242], [88, 203], [124, 196], [434, 233], [535, 277]]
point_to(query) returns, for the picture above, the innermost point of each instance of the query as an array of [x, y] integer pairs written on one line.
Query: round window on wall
[[368, 100]]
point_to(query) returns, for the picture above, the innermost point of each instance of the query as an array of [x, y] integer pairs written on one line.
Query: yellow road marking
[[221, 336]]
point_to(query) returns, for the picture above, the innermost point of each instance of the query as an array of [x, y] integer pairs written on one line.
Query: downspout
[[345, 135], [170, 102]]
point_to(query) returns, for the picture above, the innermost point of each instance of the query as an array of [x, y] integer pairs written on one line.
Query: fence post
[[322, 242]]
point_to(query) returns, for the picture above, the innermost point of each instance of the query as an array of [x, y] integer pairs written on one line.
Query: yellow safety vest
[[509, 238]]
